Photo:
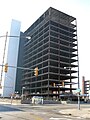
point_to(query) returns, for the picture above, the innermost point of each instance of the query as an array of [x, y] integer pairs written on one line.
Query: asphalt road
[[8, 108], [37, 112]]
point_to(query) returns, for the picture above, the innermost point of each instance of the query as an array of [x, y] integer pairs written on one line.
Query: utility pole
[[78, 69], [4, 54]]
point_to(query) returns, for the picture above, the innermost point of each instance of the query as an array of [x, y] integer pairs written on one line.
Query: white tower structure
[[11, 57]]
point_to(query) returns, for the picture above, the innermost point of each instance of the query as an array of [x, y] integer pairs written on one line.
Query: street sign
[[78, 90]]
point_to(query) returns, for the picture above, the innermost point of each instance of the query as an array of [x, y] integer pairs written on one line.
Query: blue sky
[[27, 11]]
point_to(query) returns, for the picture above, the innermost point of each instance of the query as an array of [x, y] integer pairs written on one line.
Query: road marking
[[36, 117], [74, 117], [52, 118]]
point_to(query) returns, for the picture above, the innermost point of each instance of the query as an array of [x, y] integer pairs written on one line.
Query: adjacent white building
[[11, 57]]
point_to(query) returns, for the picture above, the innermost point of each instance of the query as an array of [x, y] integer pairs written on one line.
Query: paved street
[[38, 112], [6, 108], [36, 116]]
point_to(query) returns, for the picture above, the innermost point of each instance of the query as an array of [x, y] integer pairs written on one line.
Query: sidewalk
[[83, 113], [10, 101]]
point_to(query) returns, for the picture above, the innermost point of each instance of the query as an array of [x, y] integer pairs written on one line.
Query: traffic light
[[36, 71], [62, 83], [6, 67], [54, 84]]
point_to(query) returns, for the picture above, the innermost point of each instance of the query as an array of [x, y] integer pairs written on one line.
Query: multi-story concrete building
[[53, 48], [85, 86]]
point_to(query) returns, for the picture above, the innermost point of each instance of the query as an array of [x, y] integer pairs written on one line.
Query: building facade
[[18, 84], [53, 48]]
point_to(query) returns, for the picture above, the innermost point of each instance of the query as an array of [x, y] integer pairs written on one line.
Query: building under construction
[[53, 48]]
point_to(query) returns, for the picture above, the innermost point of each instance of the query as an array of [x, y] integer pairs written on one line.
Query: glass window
[[54, 23], [54, 39], [46, 34], [46, 29], [39, 60], [40, 39], [45, 76], [53, 63], [45, 64], [53, 57], [46, 40], [53, 51], [54, 70], [41, 33], [40, 49], [40, 54], [40, 43], [45, 57], [45, 45], [40, 65], [54, 28], [41, 29], [53, 34], [54, 45], [45, 51], [46, 24], [63, 27], [45, 70], [53, 76]]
